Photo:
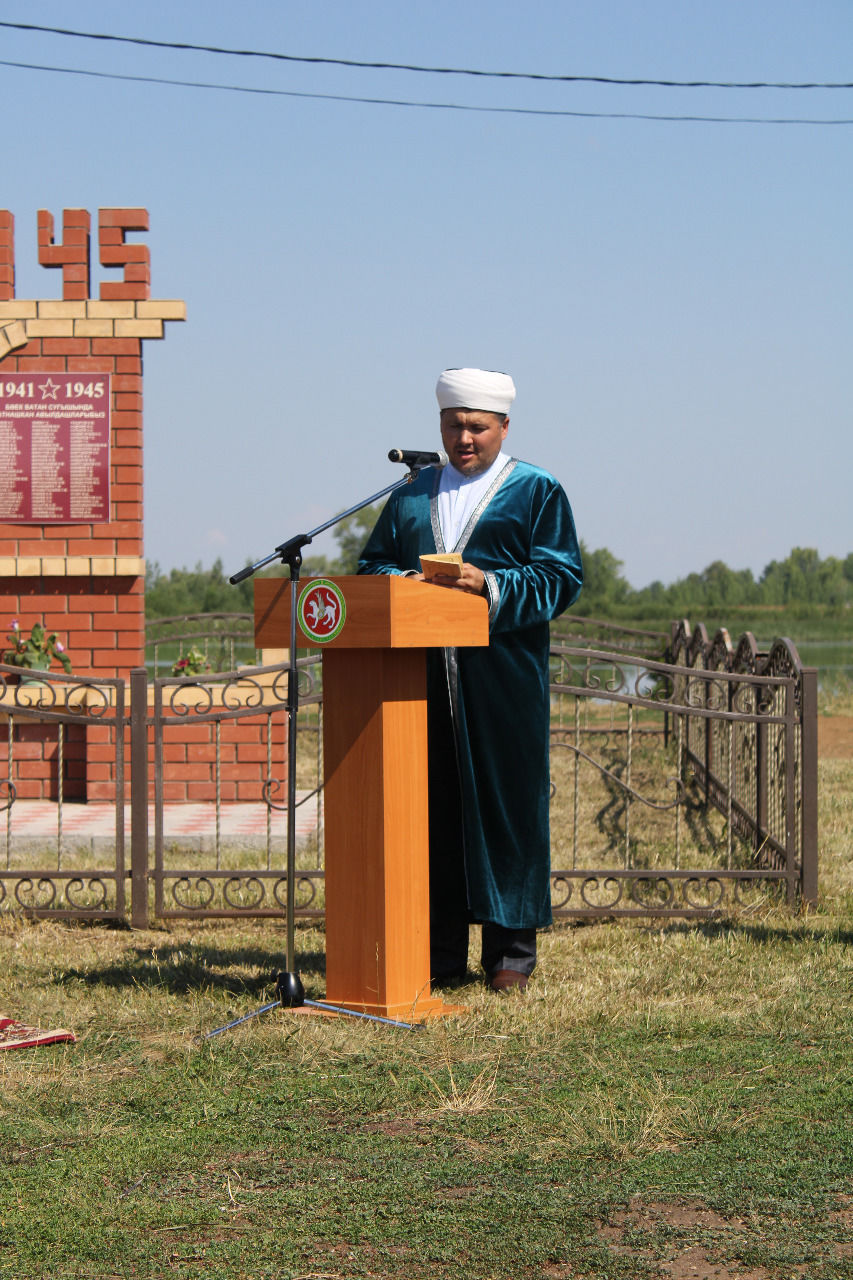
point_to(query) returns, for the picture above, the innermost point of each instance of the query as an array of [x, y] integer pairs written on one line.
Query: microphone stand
[[289, 986]]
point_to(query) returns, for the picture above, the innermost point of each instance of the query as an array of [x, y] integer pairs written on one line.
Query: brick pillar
[[7, 255]]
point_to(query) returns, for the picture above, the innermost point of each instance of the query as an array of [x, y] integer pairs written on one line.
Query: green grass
[[801, 623], [837, 698], [667, 1099]]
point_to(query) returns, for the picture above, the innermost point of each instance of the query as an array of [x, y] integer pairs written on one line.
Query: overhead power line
[[436, 71], [431, 106]]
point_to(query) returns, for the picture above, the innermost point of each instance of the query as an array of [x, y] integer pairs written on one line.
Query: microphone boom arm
[[285, 550]]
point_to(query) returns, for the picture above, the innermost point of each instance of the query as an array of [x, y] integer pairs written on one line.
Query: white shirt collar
[[459, 495]]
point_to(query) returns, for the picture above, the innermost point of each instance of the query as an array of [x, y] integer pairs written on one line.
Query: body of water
[[833, 659]]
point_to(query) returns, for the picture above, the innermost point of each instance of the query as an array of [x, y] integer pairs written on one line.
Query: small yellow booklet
[[448, 564]]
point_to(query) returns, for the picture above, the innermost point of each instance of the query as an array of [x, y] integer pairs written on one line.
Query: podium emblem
[[322, 610]]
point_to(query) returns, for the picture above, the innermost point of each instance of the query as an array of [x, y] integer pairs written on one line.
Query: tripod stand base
[[423, 1011], [291, 994], [290, 991]]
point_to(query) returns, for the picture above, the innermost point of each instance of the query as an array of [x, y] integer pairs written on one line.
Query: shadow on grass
[[756, 931], [181, 968], [761, 932]]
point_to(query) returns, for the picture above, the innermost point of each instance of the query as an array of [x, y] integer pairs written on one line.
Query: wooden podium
[[376, 797]]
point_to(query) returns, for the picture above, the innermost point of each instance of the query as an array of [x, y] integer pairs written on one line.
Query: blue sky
[[673, 299]]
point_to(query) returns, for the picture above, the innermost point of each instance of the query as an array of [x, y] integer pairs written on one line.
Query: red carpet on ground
[[15, 1035]]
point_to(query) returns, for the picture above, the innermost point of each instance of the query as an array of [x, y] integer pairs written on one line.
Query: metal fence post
[[808, 782], [791, 782], [139, 798]]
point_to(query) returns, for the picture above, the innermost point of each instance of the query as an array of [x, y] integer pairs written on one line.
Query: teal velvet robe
[[522, 536]]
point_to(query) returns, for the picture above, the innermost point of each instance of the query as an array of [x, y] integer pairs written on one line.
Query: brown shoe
[[506, 980]]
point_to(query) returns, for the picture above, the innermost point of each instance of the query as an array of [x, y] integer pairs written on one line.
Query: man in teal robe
[[488, 708]]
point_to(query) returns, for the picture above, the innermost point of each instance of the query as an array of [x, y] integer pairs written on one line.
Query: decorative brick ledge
[[23, 319], [72, 567]]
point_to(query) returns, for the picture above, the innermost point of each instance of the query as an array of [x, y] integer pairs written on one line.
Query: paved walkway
[[189, 825]]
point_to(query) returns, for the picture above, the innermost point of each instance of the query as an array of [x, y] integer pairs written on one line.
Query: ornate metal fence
[[682, 789], [219, 745], [679, 788], [770, 782], [59, 734]]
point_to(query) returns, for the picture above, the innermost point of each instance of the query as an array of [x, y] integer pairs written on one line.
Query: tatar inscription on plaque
[[55, 448]]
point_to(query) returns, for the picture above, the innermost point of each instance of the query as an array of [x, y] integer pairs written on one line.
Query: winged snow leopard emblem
[[322, 610]]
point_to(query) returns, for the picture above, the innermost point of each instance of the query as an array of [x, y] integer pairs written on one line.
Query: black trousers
[[502, 948]]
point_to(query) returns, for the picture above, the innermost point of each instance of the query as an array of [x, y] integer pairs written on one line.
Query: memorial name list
[[55, 449]]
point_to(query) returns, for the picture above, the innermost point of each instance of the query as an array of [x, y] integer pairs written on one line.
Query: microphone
[[418, 457]]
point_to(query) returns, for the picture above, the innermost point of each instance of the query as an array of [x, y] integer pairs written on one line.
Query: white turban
[[475, 389]]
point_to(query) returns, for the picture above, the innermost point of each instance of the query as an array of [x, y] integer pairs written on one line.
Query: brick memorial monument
[[71, 469], [71, 510]]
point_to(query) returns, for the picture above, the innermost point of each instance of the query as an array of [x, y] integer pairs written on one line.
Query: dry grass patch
[[458, 1095]]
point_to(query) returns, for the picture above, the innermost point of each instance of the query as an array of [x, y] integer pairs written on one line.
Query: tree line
[[178, 591], [801, 579]]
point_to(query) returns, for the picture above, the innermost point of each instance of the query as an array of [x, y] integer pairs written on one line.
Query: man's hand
[[472, 580]]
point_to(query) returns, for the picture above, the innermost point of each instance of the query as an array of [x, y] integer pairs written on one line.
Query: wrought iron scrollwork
[[307, 679], [8, 794], [244, 893], [716, 695], [664, 892], [561, 891], [242, 691], [279, 687], [97, 698], [712, 885], [268, 790], [86, 893], [610, 885], [613, 679], [202, 887], [652, 892], [744, 698], [190, 697], [271, 785], [34, 692], [305, 891], [656, 686], [27, 893]]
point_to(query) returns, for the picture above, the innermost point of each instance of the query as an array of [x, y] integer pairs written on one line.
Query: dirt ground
[[697, 1262], [835, 737]]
